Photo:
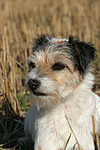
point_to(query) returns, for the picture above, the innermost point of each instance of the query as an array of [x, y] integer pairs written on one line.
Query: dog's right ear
[[40, 42], [83, 53]]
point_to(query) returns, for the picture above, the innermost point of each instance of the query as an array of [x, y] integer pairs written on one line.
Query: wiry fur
[[68, 103]]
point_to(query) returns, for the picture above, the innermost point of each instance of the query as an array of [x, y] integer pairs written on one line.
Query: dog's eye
[[58, 66], [31, 65]]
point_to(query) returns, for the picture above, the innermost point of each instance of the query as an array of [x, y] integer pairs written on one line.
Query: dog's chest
[[53, 128]]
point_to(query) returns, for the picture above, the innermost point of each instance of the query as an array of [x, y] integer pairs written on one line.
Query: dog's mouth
[[38, 93]]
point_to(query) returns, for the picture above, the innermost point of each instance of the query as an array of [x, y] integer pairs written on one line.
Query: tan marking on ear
[[62, 41]]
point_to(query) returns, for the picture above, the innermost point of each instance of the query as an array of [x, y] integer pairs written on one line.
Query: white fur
[[51, 127], [54, 40]]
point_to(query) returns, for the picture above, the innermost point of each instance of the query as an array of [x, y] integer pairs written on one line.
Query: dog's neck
[[87, 82]]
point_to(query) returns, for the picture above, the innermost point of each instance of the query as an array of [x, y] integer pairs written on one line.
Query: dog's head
[[56, 67]]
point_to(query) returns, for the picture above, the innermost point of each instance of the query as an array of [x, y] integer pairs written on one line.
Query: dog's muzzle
[[34, 84]]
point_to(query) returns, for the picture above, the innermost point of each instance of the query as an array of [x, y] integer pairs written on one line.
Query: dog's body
[[64, 105]]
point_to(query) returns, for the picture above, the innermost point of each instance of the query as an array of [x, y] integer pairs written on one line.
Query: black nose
[[33, 84]]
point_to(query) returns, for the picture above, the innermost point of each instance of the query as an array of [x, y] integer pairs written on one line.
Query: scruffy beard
[[49, 95], [46, 95], [44, 101]]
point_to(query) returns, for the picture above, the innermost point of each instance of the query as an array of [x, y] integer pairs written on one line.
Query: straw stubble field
[[20, 22]]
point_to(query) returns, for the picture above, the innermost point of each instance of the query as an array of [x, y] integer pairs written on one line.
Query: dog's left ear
[[83, 53], [40, 42]]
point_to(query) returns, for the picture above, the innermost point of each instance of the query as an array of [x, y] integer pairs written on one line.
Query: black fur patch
[[40, 42], [83, 53]]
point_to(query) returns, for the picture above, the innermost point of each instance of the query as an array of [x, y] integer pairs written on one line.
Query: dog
[[60, 81]]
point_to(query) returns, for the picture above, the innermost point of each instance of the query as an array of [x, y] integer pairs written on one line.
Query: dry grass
[[20, 21]]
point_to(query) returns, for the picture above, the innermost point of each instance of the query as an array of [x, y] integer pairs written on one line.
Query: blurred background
[[20, 22]]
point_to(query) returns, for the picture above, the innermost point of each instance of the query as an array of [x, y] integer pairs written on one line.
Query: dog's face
[[56, 67]]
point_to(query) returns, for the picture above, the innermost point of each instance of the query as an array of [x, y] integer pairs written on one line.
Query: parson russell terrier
[[60, 83]]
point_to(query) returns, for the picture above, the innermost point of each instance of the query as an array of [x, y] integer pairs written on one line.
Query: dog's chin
[[43, 100]]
